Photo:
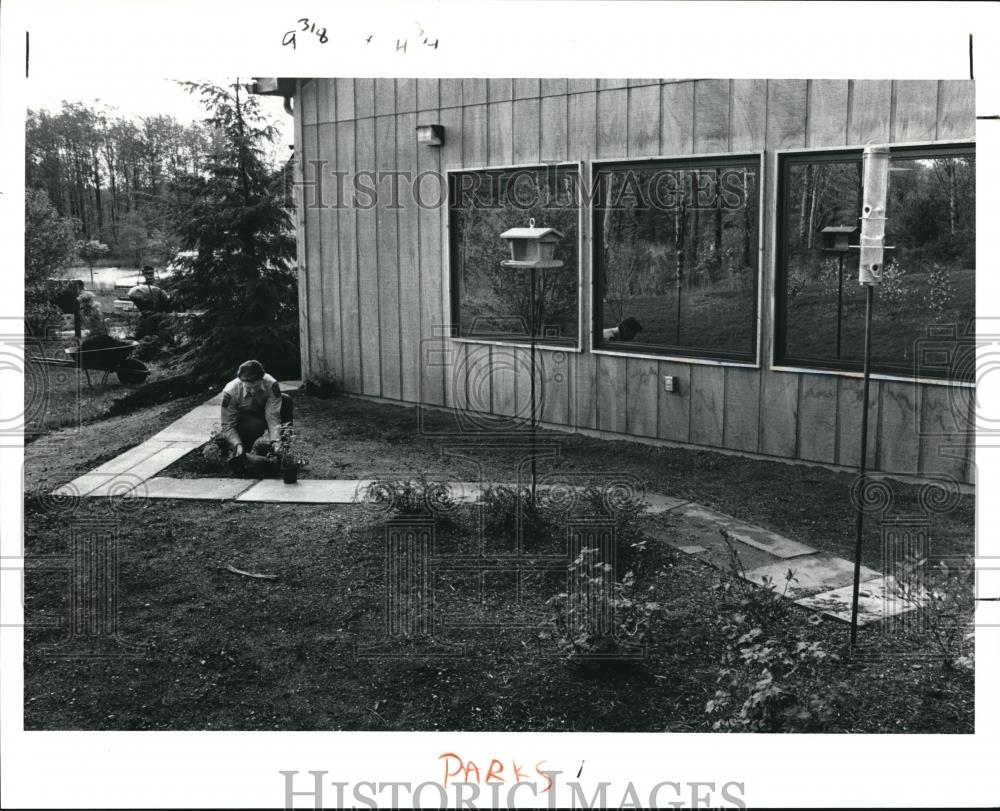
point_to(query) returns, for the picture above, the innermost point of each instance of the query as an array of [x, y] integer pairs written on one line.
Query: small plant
[[505, 508], [943, 595], [892, 291], [411, 497], [759, 684], [600, 618], [322, 386], [217, 450], [632, 550], [761, 677], [287, 453], [940, 292]]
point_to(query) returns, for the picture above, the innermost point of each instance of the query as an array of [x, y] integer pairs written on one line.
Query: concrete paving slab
[[156, 462], [308, 491], [201, 489], [751, 535], [813, 573], [195, 426], [83, 485], [877, 600], [130, 458], [683, 534]]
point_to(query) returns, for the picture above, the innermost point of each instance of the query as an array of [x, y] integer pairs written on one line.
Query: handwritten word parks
[[496, 771]]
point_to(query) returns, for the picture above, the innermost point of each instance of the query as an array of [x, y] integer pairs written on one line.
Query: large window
[[929, 277], [675, 256], [495, 303]]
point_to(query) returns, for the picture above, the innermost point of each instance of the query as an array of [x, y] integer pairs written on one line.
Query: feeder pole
[[534, 428], [859, 522], [876, 182], [679, 260], [840, 299]]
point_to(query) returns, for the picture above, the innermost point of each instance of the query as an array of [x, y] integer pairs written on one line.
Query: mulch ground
[[220, 650]]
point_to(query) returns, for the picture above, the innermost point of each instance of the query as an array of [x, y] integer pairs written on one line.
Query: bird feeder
[[839, 238], [532, 247]]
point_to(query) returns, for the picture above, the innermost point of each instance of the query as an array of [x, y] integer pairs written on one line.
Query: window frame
[[452, 286], [677, 354], [783, 159]]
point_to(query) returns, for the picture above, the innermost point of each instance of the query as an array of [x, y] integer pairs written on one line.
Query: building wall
[[374, 283]]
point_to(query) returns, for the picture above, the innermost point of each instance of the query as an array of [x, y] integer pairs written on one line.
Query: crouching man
[[253, 411]]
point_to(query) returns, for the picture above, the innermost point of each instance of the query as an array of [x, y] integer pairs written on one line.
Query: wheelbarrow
[[107, 359]]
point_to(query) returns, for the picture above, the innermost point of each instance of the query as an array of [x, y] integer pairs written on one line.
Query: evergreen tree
[[239, 281]]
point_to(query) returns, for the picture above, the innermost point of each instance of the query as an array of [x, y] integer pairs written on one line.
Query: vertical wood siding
[[374, 283]]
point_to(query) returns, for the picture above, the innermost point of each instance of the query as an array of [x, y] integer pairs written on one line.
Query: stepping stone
[[201, 489], [145, 469], [877, 600], [83, 485], [130, 458], [308, 491], [704, 541], [657, 503], [813, 574], [751, 535]]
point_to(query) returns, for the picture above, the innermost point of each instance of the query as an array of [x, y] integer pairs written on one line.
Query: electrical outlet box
[[670, 383]]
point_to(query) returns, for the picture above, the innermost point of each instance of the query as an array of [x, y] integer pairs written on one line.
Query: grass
[[228, 652]]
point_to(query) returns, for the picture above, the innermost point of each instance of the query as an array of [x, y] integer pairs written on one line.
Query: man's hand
[[239, 450]]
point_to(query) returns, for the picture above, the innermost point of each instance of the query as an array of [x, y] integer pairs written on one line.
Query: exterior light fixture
[[430, 134]]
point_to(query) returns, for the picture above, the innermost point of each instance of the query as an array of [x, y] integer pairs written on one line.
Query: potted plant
[[287, 454]]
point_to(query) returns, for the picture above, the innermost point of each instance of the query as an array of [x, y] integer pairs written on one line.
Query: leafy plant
[[600, 618], [287, 451], [893, 290], [217, 450], [762, 682], [505, 508], [412, 497], [943, 595], [632, 549], [322, 386], [940, 292]]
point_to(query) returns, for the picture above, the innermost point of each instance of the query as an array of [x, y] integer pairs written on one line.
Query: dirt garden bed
[[227, 651]]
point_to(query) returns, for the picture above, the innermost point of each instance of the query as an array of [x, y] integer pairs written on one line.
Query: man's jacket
[[264, 404]]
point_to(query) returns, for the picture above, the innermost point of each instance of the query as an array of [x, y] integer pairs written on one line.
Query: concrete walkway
[[821, 582]]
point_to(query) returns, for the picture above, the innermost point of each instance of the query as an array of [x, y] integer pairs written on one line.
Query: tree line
[[110, 174]]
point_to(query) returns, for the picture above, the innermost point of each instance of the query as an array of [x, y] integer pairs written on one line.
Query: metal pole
[[531, 319], [859, 522], [679, 260], [840, 298]]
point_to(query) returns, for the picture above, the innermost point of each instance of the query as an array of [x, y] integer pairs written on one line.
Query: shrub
[[763, 683], [600, 619], [632, 549], [506, 508], [940, 292], [409, 497], [944, 596], [893, 291]]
